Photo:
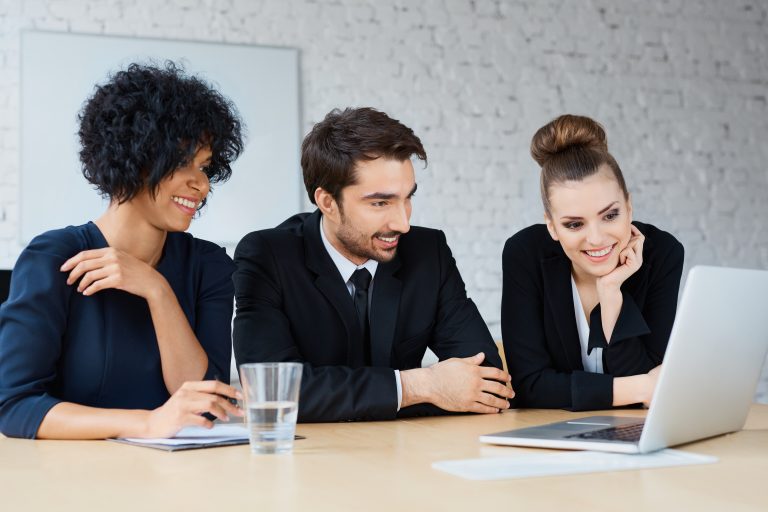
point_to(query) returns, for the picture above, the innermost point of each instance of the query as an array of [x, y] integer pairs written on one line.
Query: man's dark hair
[[147, 121], [330, 151]]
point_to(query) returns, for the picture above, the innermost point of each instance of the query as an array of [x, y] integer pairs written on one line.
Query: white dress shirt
[[594, 361], [346, 269]]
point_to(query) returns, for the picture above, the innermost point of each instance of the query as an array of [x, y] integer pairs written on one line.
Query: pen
[[233, 401]]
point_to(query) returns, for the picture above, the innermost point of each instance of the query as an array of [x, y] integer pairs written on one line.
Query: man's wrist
[[415, 384]]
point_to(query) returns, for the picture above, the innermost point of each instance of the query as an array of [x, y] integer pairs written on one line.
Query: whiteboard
[[59, 72]]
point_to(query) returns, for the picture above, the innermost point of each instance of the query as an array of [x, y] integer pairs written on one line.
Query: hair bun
[[564, 133]]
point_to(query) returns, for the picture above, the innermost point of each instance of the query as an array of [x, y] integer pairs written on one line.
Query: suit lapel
[[556, 271], [332, 286], [385, 304]]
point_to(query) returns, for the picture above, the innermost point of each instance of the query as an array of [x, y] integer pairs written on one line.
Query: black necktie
[[361, 278]]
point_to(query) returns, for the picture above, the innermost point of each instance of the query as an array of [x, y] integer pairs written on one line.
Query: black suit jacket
[[538, 323], [292, 305]]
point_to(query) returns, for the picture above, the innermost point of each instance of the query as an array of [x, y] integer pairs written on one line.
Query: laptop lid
[[714, 358]]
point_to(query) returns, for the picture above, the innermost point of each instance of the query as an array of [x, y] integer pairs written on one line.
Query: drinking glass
[[271, 392]]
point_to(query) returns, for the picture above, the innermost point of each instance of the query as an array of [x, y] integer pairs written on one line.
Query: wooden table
[[371, 466]]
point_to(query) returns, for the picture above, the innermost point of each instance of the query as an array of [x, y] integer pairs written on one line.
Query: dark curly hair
[[147, 121]]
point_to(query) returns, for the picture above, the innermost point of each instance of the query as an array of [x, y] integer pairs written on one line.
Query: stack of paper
[[565, 463]]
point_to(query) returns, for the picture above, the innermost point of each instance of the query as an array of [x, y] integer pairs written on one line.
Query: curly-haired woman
[[119, 327]]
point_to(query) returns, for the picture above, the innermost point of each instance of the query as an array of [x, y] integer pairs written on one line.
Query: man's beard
[[361, 246]]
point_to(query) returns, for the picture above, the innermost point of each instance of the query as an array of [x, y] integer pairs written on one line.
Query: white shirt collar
[[594, 361], [346, 267]]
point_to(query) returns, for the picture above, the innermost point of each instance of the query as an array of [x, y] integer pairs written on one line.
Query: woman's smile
[[599, 255]]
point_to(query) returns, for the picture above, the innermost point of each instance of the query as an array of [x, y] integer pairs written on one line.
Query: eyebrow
[[568, 217], [386, 195]]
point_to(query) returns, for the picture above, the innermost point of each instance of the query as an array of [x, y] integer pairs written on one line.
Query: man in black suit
[[357, 294]]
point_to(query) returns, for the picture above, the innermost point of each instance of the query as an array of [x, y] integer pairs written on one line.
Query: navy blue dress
[[101, 351]]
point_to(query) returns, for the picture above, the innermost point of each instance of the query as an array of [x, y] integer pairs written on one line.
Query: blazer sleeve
[[459, 329], [639, 339], [213, 310], [262, 333], [536, 381], [32, 324]]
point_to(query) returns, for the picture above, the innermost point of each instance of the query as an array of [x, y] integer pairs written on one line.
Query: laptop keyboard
[[629, 433]]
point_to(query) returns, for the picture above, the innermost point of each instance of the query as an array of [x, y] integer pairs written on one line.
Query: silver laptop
[[713, 361]]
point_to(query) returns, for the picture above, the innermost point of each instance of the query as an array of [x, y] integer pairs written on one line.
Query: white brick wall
[[682, 88]]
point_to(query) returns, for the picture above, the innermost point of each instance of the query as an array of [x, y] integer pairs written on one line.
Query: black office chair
[[5, 284]]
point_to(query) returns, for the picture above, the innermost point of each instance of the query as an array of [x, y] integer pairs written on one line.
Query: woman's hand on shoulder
[[186, 406], [630, 261], [100, 269]]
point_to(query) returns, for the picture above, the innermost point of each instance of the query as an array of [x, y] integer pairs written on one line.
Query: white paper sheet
[[565, 463], [198, 436]]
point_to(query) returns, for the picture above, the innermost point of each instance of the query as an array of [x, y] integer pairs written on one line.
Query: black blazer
[[292, 305], [538, 324]]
